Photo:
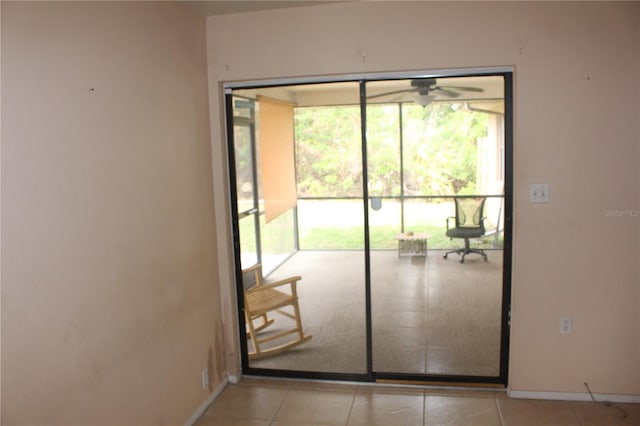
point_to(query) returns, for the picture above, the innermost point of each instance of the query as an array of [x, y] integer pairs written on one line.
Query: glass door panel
[[430, 142], [320, 237], [249, 254], [246, 196]]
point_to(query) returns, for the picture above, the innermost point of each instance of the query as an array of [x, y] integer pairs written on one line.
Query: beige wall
[[576, 108], [110, 305]]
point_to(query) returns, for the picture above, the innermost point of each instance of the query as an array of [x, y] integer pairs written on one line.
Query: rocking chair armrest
[[291, 281], [252, 268]]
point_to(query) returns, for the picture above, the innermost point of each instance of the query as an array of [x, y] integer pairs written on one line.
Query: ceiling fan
[[424, 91]]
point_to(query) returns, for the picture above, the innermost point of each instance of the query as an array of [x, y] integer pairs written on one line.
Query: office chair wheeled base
[[467, 250]]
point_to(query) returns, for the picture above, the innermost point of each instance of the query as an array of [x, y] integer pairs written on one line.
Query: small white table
[[412, 244]]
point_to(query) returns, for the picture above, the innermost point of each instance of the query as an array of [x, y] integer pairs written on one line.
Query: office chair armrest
[[448, 219]]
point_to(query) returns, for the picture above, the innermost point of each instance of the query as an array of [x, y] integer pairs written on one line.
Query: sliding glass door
[[354, 187], [307, 211], [432, 143]]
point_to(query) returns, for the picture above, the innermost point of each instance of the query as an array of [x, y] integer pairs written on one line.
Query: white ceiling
[[214, 7]]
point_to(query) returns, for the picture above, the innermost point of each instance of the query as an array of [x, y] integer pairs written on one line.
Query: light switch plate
[[539, 193]]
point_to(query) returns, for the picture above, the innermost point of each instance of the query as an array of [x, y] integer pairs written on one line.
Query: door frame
[[371, 376]]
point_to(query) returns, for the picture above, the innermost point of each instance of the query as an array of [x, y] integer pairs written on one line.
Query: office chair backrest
[[469, 212]]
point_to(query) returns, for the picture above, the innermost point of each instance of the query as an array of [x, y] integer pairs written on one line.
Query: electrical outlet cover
[[205, 379], [539, 193], [566, 325]]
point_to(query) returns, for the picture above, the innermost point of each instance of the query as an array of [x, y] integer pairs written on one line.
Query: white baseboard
[[206, 403], [233, 379], [573, 396]]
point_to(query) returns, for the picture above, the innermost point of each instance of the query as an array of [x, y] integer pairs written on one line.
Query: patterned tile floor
[[430, 315]]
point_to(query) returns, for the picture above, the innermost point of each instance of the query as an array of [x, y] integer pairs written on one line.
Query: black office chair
[[469, 223]]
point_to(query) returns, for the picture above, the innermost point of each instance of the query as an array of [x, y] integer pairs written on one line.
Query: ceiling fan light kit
[[423, 100]]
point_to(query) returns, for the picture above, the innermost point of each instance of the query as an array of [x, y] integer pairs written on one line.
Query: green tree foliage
[[439, 144], [328, 151], [440, 149], [383, 149]]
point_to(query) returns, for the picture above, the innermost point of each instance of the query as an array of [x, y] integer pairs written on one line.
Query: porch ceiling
[[347, 93]]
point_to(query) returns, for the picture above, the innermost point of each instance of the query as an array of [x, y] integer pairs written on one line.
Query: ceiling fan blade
[[393, 92], [464, 89], [445, 92]]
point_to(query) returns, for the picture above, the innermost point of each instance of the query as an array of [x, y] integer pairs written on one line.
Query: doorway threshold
[[439, 384]]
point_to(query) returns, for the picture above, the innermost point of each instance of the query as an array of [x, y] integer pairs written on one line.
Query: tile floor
[[430, 315], [266, 402]]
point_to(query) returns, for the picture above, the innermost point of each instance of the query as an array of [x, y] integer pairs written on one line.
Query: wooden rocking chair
[[263, 298]]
